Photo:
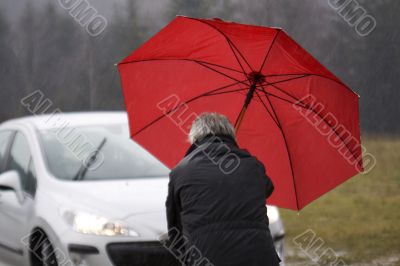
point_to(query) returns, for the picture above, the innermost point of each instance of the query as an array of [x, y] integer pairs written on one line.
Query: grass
[[361, 218]]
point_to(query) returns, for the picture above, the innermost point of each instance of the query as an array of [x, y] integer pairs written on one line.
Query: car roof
[[74, 119]]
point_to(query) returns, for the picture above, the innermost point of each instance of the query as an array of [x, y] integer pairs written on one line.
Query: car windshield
[[98, 153]]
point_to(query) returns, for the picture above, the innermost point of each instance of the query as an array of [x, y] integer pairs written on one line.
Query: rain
[[68, 50]]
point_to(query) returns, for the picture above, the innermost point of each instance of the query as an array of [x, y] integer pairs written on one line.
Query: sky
[[148, 8]]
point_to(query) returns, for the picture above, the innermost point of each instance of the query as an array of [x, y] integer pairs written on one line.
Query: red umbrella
[[289, 111]]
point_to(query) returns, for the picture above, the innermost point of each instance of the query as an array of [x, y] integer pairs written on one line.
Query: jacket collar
[[212, 138]]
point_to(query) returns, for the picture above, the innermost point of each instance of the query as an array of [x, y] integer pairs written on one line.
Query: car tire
[[42, 254]]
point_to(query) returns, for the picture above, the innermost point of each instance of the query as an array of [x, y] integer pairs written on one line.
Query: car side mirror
[[10, 180]]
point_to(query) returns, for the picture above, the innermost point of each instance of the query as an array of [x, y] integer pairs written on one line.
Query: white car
[[76, 190]]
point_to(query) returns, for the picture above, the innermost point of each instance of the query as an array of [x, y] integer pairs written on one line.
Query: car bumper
[[141, 253], [133, 253], [123, 254], [88, 250]]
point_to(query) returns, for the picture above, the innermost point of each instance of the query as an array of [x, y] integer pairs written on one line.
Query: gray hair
[[210, 124]]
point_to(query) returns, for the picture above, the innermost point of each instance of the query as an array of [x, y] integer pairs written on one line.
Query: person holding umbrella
[[220, 209], [287, 108]]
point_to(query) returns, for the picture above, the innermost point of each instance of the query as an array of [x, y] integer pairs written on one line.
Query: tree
[[124, 33], [27, 45], [11, 83]]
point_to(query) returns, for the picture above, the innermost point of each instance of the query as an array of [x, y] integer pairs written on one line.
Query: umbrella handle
[[247, 101], [240, 118]]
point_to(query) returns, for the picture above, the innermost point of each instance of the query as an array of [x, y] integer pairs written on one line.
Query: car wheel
[[43, 253]]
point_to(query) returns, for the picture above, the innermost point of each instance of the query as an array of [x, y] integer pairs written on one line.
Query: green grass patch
[[361, 218]]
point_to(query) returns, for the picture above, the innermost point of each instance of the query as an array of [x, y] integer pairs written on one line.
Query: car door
[[7, 254], [15, 212]]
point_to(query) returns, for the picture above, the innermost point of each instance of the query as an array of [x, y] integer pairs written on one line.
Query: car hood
[[139, 203], [114, 199]]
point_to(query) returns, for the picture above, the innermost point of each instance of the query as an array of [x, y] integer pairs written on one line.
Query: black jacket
[[216, 200]]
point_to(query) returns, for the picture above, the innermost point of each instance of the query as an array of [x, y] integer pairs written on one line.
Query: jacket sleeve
[[269, 186], [173, 209]]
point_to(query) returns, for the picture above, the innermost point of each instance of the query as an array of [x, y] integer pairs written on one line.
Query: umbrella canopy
[[289, 111]]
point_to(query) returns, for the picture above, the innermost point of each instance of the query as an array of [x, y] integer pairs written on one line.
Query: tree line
[[46, 49]]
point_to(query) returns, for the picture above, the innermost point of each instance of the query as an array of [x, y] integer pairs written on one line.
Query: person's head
[[210, 124]]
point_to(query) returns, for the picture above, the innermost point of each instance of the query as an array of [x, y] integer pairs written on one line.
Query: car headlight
[[87, 223], [273, 214]]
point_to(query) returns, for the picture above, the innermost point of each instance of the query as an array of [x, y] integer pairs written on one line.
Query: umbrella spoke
[[273, 84], [316, 113], [231, 45], [280, 81], [207, 93], [228, 68], [280, 98], [221, 73], [286, 145], [266, 108], [223, 92], [233, 48], [286, 80], [180, 59], [287, 74], [269, 49], [202, 63], [312, 74], [253, 87]]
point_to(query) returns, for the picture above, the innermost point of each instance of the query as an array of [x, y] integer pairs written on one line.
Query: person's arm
[[269, 186]]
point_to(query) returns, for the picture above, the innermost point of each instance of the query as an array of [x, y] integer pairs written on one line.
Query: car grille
[[140, 254]]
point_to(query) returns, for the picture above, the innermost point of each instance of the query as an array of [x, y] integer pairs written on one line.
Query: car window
[[21, 160], [30, 186], [122, 158], [4, 143]]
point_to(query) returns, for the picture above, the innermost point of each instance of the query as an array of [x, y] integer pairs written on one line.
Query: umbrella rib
[[228, 68], [223, 74], [313, 74], [243, 110], [269, 49], [202, 63], [231, 44], [180, 105], [312, 110], [334, 80], [280, 98], [281, 81], [266, 108], [223, 92], [287, 148], [288, 74], [309, 74], [180, 59], [286, 80], [237, 58]]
